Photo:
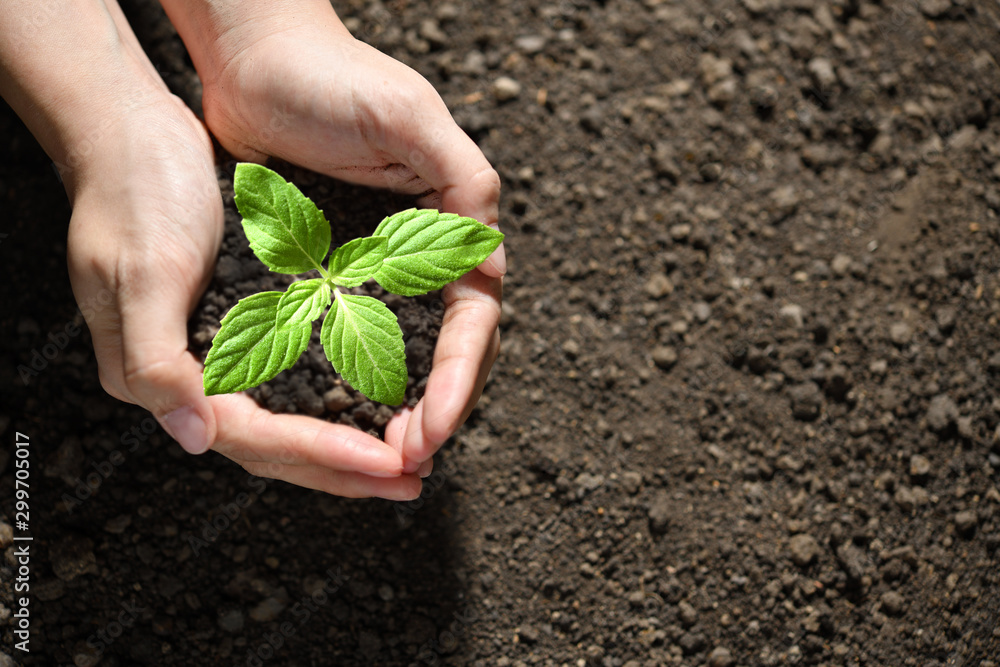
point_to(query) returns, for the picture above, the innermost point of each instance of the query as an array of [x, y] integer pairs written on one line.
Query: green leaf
[[303, 302], [249, 348], [428, 249], [286, 230], [355, 262], [363, 341]]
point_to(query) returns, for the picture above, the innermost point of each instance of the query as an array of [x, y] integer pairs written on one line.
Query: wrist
[[217, 32], [74, 83]]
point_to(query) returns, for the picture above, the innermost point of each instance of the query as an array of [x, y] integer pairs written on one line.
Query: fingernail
[[498, 261], [426, 468], [186, 427], [387, 473], [498, 258], [410, 466]]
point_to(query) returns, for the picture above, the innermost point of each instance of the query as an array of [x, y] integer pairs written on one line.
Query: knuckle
[[418, 94], [110, 384], [141, 378], [489, 179], [257, 468]]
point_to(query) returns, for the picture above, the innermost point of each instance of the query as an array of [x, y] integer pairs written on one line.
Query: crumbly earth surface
[[746, 408]]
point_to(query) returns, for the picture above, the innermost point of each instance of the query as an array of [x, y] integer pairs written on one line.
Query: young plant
[[410, 253]]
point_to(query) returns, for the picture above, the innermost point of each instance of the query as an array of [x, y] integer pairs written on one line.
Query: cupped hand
[[145, 230], [309, 93]]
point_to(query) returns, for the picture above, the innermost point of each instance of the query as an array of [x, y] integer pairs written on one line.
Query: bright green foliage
[[286, 230], [356, 261], [362, 339], [303, 302], [250, 348], [412, 252], [428, 249]]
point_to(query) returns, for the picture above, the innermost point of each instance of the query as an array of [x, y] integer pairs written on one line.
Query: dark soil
[[746, 408]]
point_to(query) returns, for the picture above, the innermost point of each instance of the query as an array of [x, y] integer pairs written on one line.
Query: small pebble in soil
[[966, 521], [901, 333], [505, 89], [908, 498], [692, 642], [664, 357], [934, 8], [268, 610], [920, 466], [791, 316], [720, 657], [687, 614], [840, 265], [231, 621], [993, 363], [807, 401], [631, 481], [893, 603], [659, 286], [6, 534], [660, 512], [73, 557], [587, 482], [804, 549], [941, 413], [338, 399]]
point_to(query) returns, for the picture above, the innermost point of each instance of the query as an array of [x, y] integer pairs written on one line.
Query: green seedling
[[410, 253]]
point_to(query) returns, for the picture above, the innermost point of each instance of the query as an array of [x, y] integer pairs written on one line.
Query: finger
[[139, 329], [249, 433], [395, 433], [395, 429], [158, 372], [426, 468], [465, 353], [338, 482], [411, 464]]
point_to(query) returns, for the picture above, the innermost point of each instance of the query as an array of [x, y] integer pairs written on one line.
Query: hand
[[144, 234], [309, 93]]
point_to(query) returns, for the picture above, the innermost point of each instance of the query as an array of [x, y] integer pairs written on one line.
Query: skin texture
[[147, 212]]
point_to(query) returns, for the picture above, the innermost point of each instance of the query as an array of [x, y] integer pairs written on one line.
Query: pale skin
[[281, 78]]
